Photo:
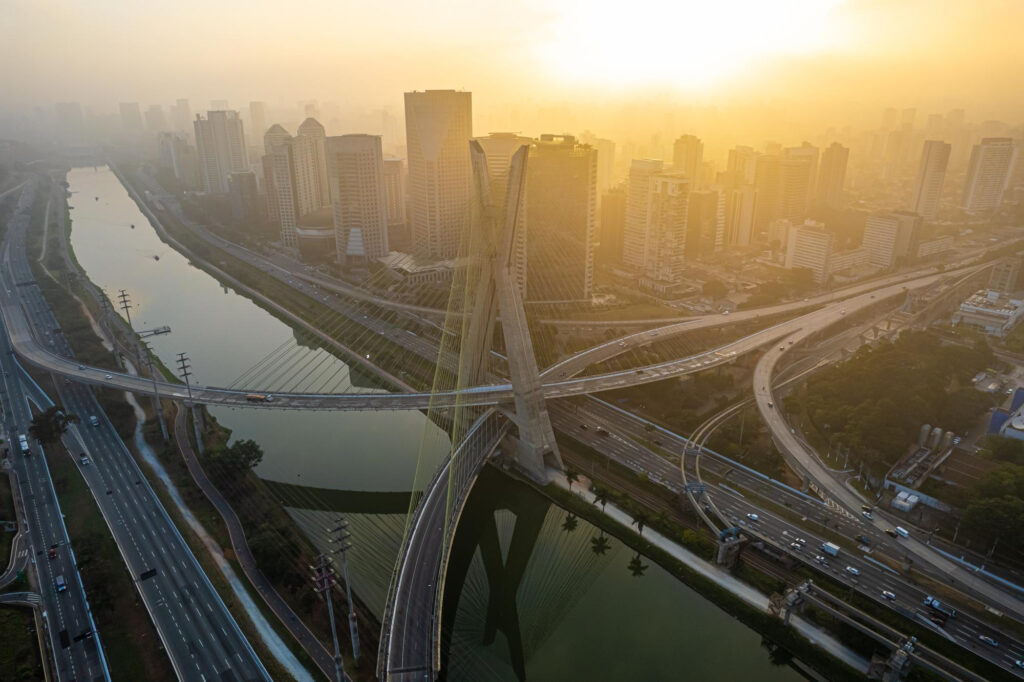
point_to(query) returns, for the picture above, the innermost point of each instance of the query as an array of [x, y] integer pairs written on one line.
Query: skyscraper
[[131, 117], [356, 179], [561, 222], [296, 169], [275, 135], [312, 141], [257, 121], [394, 190], [438, 126], [811, 247], [612, 225], [668, 218], [220, 140], [767, 184], [742, 165], [156, 120], [688, 158], [635, 232], [740, 211], [705, 224], [988, 173], [832, 176], [797, 171], [930, 176], [605, 160]]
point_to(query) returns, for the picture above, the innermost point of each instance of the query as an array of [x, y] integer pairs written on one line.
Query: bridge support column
[[728, 551]]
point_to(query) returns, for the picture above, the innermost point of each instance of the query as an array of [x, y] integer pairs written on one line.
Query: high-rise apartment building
[[988, 173], [832, 176], [742, 165], [313, 140], [605, 160], [705, 225], [181, 158], [297, 173], [740, 212], [356, 178], [810, 247], [797, 171], [274, 136], [668, 222], [220, 140], [561, 219], [635, 232], [930, 176], [891, 238], [688, 158], [1005, 275], [438, 127], [394, 190], [257, 122], [131, 117]]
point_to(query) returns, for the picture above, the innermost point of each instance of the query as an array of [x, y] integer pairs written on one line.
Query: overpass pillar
[[728, 551]]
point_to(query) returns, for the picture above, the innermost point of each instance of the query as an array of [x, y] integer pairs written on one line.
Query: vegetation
[[789, 284], [48, 426], [19, 656], [875, 403], [996, 510]]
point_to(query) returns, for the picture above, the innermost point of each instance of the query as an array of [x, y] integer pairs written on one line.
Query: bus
[[23, 443]]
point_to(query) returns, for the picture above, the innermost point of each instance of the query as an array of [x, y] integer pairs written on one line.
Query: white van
[[902, 532]]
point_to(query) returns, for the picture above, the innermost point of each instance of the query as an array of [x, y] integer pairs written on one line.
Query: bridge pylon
[[494, 287]]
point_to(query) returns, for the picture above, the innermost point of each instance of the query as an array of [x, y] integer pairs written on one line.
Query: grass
[[19, 655], [6, 514]]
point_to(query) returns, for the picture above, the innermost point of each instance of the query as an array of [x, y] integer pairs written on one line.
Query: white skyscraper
[[355, 166], [930, 176], [438, 127], [634, 240], [797, 172], [810, 247], [668, 220], [891, 238], [988, 173], [220, 140], [314, 162], [295, 170], [740, 211]]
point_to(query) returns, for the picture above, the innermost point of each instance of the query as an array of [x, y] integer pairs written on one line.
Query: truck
[[258, 398], [936, 605], [830, 548]]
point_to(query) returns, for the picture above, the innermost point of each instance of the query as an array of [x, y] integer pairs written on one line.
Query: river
[[581, 611]]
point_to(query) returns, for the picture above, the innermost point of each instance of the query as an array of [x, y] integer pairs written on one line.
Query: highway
[[623, 442], [200, 636], [72, 635], [806, 463]]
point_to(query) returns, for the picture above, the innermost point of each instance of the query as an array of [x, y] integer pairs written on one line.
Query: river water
[[579, 610]]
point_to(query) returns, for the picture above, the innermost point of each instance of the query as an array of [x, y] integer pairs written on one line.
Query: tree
[[640, 519], [570, 523], [599, 545], [714, 289], [237, 458], [47, 427], [571, 475], [601, 496], [637, 567]]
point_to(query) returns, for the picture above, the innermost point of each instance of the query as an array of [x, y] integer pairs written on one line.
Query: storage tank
[[934, 438], [922, 440], [947, 441]]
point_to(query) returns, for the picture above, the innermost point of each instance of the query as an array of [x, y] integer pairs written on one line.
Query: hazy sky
[[366, 53]]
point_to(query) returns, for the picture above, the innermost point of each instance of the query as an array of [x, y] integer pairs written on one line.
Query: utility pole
[[156, 391], [323, 581], [341, 539], [184, 370], [126, 305]]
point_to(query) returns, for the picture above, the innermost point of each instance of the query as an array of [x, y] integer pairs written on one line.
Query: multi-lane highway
[[200, 636], [620, 436], [73, 639]]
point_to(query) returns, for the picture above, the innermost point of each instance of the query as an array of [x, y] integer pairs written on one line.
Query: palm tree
[[600, 544], [601, 496], [640, 519], [570, 523], [47, 427], [572, 476], [636, 566]]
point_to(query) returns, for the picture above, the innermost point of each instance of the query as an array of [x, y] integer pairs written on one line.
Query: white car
[[753, 517], [852, 571], [886, 594], [107, 376]]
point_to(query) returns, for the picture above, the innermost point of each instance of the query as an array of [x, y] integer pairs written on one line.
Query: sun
[[682, 44]]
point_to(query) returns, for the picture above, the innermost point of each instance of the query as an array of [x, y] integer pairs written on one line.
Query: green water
[[580, 615]]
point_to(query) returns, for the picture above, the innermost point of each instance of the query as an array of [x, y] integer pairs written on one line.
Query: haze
[[523, 55]]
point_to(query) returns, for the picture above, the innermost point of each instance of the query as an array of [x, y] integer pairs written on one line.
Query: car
[[622, 344], [81, 367], [60, 584], [795, 546], [1009, 391], [725, 312], [94, 420], [852, 571], [1019, 664], [108, 376], [886, 594], [771, 404], [988, 640], [862, 539], [583, 426], [820, 559], [53, 552], [801, 541], [753, 517], [602, 432], [891, 532], [867, 515], [782, 348]]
